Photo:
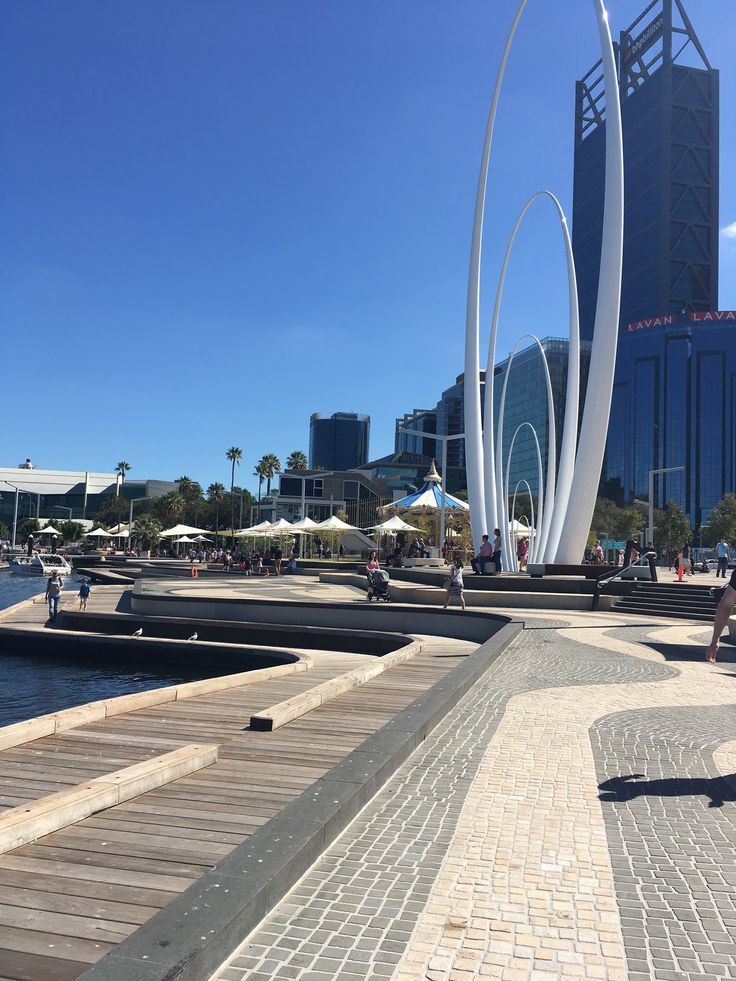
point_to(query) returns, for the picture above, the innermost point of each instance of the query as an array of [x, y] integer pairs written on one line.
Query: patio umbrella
[[49, 530], [393, 524], [333, 523], [98, 533], [201, 538], [280, 527], [179, 530], [305, 524], [185, 539], [258, 529], [116, 529]]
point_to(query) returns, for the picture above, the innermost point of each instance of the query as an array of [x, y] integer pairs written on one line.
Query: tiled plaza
[[573, 817]]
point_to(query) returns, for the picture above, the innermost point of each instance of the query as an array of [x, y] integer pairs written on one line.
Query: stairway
[[680, 602]]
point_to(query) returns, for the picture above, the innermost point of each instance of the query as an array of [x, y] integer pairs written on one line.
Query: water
[[35, 684]]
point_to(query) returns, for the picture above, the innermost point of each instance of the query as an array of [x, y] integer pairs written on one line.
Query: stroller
[[379, 580]]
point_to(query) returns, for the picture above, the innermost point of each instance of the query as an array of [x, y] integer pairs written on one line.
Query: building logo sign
[[651, 33], [699, 317], [663, 321], [714, 316]]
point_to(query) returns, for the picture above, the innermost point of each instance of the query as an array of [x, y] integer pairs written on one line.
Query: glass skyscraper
[[339, 441], [673, 400]]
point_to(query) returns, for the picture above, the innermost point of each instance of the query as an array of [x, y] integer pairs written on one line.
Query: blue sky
[[217, 217]]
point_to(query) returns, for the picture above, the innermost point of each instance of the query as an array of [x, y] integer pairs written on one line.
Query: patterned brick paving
[[491, 853]]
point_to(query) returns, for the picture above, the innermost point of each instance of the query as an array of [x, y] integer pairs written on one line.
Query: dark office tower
[[339, 441], [669, 107]]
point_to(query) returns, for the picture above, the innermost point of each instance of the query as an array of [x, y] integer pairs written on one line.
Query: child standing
[[84, 592], [454, 585]]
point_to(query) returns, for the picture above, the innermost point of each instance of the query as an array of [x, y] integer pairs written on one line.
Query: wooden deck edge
[[293, 708], [20, 733], [28, 822], [197, 931]]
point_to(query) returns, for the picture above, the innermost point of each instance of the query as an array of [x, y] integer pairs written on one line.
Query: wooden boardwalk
[[70, 897]]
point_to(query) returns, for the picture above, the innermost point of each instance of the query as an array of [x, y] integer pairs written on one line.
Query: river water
[[34, 684]]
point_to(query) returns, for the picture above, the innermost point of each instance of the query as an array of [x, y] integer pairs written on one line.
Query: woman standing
[[371, 566], [454, 584]]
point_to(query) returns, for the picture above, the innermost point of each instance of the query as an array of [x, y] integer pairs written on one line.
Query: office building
[[673, 398], [669, 109], [674, 405], [56, 495], [339, 441]]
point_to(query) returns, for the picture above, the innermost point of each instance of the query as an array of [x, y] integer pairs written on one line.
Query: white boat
[[40, 565]]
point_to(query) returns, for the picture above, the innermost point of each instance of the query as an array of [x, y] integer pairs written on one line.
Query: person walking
[[497, 549], [722, 556], [485, 553], [53, 591], [454, 584], [277, 557], [522, 552], [84, 592]]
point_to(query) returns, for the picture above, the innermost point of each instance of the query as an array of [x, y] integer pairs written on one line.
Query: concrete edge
[[192, 936]]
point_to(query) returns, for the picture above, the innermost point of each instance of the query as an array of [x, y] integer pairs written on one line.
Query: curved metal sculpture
[[501, 484], [570, 518], [532, 528], [540, 497]]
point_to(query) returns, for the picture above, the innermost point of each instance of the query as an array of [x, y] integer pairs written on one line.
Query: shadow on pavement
[[717, 789]]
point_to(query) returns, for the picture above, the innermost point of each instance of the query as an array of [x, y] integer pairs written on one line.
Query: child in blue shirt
[[84, 592]]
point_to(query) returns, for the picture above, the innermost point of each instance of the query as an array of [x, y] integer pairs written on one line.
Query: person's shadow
[[690, 652], [717, 789]]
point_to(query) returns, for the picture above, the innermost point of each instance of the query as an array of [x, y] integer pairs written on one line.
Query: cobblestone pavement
[[494, 851]]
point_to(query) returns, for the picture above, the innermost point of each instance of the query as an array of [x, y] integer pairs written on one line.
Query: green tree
[[722, 521], [271, 466], [234, 455], [215, 494], [70, 531], [671, 528], [4, 532], [297, 461], [186, 484], [29, 526], [122, 468], [631, 523], [147, 530], [169, 508]]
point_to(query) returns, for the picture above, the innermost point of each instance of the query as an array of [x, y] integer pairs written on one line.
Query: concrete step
[[678, 614]]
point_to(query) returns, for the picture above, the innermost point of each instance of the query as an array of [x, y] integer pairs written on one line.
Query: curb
[[192, 936]]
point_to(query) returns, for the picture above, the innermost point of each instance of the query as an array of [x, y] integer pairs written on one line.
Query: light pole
[[444, 440], [650, 529]]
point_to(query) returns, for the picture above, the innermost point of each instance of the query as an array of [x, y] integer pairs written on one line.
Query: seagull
[[138, 632], [193, 637]]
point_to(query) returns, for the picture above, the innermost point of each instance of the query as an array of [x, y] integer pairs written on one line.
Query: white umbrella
[[186, 539], [98, 533], [333, 523], [179, 530], [118, 528], [49, 530], [393, 524], [201, 538], [305, 524], [258, 529], [280, 527], [121, 534]]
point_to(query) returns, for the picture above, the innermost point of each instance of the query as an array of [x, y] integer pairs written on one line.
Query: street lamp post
[[444, 440], [650, 529]]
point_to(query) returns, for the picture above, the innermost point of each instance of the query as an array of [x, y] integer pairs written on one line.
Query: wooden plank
[[46, 863], [65, 948], [105, 892], [23, 966]]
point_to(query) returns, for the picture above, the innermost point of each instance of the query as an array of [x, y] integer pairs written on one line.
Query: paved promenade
[[574, 817]]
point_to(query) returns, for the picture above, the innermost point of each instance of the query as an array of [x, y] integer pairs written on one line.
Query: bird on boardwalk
[[193, 637], [138, 632]]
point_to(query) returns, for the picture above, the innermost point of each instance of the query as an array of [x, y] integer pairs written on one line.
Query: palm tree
[[261, 474], [234, 455], [122, 468], [271, 466], [147, 530], [297, 461], [170, 507], [214, 495], [186, 485]]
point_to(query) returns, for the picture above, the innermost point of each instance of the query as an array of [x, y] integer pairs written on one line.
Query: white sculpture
[[563, 529]]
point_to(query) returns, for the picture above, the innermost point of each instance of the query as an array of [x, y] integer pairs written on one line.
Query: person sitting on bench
[[485, 552]]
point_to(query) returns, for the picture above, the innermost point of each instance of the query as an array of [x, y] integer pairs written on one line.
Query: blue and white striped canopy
[[430, 496]]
